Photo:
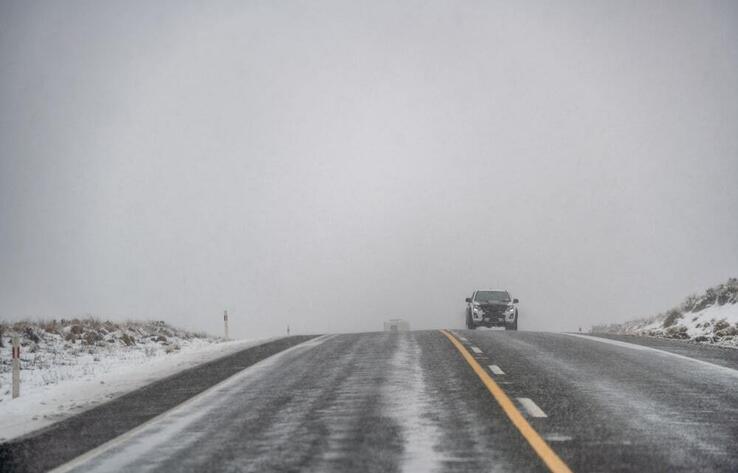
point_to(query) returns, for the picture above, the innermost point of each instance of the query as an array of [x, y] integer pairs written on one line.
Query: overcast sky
[[333, 164]]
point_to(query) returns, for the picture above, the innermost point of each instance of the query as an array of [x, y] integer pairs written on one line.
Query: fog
[[329, 165]]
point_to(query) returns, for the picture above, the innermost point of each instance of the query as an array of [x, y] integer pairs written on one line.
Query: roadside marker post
[[225, 323], [16, 367]]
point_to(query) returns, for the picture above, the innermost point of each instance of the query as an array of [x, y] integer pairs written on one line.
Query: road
[[411, 401]]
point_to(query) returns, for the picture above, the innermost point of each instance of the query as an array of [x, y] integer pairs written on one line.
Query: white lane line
[[633, 346], [186, 406], [531, 407], [463, 339], [476, 350], [495, 369]]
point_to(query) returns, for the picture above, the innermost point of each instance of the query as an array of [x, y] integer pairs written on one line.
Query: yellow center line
[[549, 457]]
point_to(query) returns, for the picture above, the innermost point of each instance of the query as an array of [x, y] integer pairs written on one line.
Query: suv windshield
[[492, 296]]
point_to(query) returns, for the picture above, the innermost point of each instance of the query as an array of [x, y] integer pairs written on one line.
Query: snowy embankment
[[708, 318], [68, 366]]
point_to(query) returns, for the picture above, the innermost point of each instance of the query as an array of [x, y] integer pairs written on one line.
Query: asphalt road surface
[[411, 401]]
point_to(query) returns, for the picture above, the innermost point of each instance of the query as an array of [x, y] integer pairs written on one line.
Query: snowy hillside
[[70, 365], [708, 318]]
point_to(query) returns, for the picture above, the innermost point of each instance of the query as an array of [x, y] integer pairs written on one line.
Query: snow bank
[[69, 366], [708, 318]]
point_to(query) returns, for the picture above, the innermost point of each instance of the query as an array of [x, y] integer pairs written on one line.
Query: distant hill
[[711, 317]]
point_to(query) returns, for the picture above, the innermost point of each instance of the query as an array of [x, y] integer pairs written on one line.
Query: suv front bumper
[[493, 319]]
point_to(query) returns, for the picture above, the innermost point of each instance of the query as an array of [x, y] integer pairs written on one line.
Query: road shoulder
[[75, 435], [717, 355]]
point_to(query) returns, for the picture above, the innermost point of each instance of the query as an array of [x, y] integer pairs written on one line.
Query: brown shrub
[[671, 317], [50, 326], [31, 335], [676, 332], [91, 337], [720, 325]]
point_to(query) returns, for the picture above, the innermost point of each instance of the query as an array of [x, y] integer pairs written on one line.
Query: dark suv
[[491, 309]]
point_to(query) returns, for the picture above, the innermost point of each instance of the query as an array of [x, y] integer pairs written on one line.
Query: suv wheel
[[469, 322], [513, 325]]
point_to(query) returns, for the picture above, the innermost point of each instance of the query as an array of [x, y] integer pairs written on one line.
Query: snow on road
[[409, 403], [146, 446]]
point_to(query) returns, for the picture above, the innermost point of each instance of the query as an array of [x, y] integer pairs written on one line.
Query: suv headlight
[[510, 308]]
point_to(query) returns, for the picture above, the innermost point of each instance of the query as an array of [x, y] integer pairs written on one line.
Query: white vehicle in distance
[[396, 325]]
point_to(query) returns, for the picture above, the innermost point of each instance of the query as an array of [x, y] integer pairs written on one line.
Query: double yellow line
[[549, 457]]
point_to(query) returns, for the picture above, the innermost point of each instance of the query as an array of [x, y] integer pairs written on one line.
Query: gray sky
[[333, 164]]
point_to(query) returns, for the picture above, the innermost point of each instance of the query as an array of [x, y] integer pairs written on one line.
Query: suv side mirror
[[468, 299], [515, 301]]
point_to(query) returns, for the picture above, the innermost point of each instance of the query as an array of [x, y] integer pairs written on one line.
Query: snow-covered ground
[[75, 365], [709, 318]]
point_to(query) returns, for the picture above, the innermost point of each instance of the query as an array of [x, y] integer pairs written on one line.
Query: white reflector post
[[225, 323], [16, 367]]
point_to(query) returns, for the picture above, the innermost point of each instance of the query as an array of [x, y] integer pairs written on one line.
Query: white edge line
[[634, 346], [114, 442], [496, 369], [531, 407]]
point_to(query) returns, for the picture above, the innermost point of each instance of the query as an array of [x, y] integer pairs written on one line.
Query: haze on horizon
[[330, 164]]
